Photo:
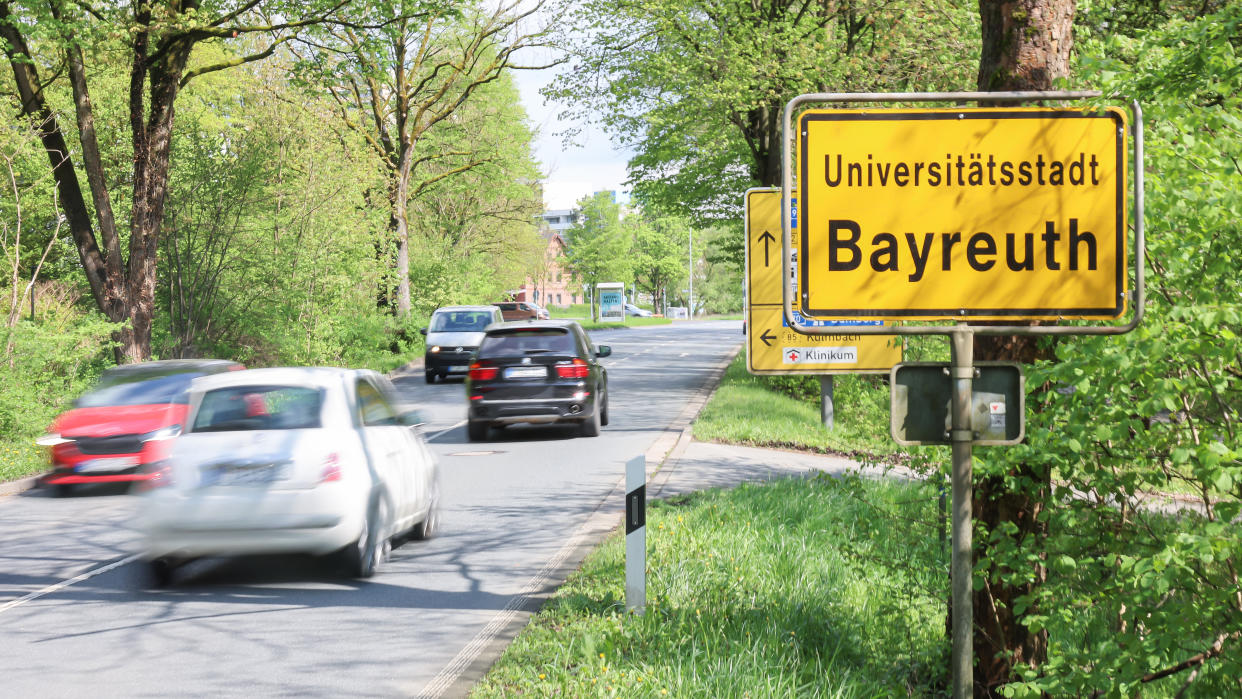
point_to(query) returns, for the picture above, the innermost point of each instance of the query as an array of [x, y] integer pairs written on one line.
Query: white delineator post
[[636, 535]]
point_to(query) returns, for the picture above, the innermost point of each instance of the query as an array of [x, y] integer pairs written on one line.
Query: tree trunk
[[106, 290], [152, 138], [1026, 46]]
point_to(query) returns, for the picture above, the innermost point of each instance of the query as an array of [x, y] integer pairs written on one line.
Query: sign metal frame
[[1102, 303]]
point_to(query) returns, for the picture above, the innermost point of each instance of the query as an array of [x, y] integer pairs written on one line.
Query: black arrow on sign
[[767, 339], [765, 239]]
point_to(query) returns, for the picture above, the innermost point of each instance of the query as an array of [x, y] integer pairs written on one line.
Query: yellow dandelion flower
[[541, 675]]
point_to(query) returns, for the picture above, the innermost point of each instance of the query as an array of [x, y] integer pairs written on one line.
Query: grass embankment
[[796, 588], [21, 457], [762, 411], [633, 322]]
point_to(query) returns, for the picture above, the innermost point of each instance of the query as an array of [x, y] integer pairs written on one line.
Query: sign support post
[[825, 400], [843, 241], [960, 568]]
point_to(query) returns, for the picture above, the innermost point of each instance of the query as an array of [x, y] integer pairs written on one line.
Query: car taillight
[[331, 468], [478, 372], [577, 369]]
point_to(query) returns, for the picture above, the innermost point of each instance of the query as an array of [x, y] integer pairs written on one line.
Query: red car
[[128, 420]]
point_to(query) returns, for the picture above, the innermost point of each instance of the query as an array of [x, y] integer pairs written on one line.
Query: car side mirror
[[422, 331], [411, 418], [603, 351]]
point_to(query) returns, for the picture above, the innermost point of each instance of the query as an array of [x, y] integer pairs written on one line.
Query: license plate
[[118, 463], [246, 475], [459, 368], [525, 372]]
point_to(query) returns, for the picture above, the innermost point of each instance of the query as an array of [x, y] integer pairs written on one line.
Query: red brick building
[[552, 286]]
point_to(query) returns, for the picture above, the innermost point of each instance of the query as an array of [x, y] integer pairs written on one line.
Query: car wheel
[[590, 426], [160, 572], [429, 376], [363, 557], [427, 528], [476, 431], [603, 417], [62, 490]]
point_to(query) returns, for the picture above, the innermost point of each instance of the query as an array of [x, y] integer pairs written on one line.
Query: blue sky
[[571, 172]]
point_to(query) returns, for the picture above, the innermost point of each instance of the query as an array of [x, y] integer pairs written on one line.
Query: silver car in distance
[[311, 460]]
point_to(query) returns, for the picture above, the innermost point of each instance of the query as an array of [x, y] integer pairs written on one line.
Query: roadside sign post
[[636, 535], [963, 225], [825, 400]]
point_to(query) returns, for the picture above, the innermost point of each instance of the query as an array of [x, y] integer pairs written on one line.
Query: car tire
[[62, 490], [363, 556], [427, 528], [590, 426], [476, 430], [429, 376], [603, 417], [160, 572]]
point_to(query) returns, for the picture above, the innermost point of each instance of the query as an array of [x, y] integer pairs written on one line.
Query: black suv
[[541, 371]]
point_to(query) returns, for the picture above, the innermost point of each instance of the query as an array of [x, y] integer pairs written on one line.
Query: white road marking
[[66, 583], [445, 430]]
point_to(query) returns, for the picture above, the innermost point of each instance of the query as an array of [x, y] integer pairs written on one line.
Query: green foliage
[[781, 590], [783, 412], [659, 254], [1140, 600], [720, 288], [53, 360], [269, 244], [599, 245], [697, 88], [474, 222]]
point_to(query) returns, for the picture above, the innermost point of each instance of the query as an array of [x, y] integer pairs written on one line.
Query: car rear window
[[138, 390], [460, 321], [543, 340], [259, 408]]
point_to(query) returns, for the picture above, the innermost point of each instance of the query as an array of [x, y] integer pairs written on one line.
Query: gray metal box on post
[[921, 393]]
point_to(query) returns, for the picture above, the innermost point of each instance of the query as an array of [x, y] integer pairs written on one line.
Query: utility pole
[[690, 314]]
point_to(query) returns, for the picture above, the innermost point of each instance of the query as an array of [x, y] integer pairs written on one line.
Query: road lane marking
[[66, 583], [446, 430]]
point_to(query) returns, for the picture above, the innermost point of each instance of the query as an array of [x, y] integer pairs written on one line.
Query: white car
[[311, 460]]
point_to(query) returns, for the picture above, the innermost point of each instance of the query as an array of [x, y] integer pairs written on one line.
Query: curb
[[670, 446], [21, 485]]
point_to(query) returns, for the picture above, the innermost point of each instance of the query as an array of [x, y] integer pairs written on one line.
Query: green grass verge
[[795, 588], [763, 411], [21, 457], [629, 323]]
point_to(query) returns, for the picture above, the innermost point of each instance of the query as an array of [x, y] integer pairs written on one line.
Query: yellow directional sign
[[962, 213], [771, 346]]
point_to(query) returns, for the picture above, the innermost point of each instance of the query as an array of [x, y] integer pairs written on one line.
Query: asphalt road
[[519, 511]]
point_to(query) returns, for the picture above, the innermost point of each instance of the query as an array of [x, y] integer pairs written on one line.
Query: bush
[[48, 363]]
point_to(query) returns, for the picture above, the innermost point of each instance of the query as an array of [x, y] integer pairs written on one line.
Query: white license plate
[[248, 475], [459, 368], [525, 372], [118, 463]]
